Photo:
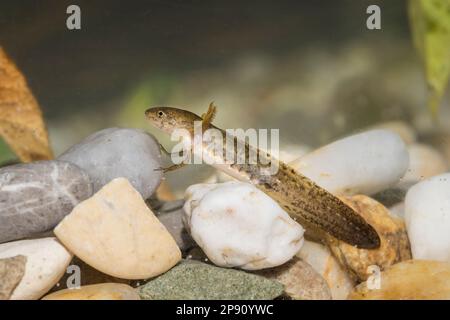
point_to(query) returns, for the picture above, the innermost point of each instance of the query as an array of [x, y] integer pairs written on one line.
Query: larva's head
[[169, 119]]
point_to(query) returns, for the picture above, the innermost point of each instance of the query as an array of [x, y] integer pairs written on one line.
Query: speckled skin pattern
[[312, 206]]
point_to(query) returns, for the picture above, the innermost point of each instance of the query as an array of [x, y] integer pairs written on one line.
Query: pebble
[[119, 152], [47, 261], [34, 197], [237, 225], [192, 280], [394, 245], [424, 162], [11, 272], [325, 264], [408, 280], [427, 217], [116, 233], [103, 291], [300, 280], [364, 163]]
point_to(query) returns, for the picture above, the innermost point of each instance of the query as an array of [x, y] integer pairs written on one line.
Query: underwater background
[[309, 68]]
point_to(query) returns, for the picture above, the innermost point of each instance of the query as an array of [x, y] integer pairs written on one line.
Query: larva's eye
[[161, 114]]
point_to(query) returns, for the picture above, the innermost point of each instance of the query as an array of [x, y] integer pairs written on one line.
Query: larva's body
[[306, 202]]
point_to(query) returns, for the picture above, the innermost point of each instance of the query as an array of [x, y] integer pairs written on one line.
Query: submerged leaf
[[430, 24], [21, 123]]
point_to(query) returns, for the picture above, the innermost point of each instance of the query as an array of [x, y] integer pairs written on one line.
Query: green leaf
[[6, 155], [430, 26]]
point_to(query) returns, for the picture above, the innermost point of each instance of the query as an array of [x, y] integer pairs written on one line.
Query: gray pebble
[[119, 152], [35, 197]]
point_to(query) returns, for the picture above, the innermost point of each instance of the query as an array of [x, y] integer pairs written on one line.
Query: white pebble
[[427, 217], [364, 163], [119, 152], [47, 261], [238, 225]]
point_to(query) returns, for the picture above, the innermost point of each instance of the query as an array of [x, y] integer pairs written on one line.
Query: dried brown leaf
[[21, 123]]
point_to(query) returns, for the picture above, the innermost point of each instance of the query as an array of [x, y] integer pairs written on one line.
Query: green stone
[[192, 280]]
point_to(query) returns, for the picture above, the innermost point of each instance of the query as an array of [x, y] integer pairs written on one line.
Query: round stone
[[119, 152], [116, 233], [427, 217], [409, 280], [237, 225], [34, 197], [394, 244], [365, 163]]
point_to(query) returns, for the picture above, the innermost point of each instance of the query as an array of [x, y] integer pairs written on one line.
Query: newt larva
[[312, 206]]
